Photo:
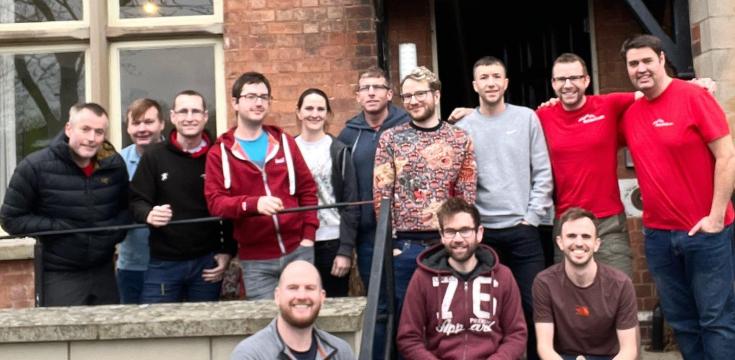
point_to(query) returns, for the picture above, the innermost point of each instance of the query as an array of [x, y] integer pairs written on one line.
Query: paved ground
[[669, 355]]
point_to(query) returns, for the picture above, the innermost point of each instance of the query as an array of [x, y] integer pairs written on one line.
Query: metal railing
[[381, 268]]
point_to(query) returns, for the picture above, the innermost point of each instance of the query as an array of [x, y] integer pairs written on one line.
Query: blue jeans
[[130, 285], [176, 281], [694, 279], [519, 248], [364, 263], [260, 277]]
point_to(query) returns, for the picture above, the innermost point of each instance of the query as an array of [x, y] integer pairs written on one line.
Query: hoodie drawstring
[[289, 165]]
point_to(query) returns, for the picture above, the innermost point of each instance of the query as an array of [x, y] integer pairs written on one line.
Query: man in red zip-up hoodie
[[464, 304], [253, 172]]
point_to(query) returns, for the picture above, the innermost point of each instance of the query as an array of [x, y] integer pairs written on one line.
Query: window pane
[[130, 9], [28, 11], [160, 74], [36, 92]]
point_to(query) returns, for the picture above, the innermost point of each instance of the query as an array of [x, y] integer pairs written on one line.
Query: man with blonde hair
[[418, 166]]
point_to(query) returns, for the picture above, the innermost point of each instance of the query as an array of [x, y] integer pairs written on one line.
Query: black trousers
[[94, 286], [324, 254]]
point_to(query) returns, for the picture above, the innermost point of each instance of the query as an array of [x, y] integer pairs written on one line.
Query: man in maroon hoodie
[[464, 303], [253, 172]]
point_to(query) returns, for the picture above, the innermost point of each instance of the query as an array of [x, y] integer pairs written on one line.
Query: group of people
[[469, 273]]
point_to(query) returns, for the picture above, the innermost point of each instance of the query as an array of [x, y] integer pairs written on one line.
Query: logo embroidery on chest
[[280, 160], [105, 180], [590, 118], [661, 123], [164, 176], [582, 311]]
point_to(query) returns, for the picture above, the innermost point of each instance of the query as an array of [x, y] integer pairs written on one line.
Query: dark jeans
[[324, 253], [694, 279], [95, 286], [130, 285], [175, 281], [519, 248], [364, 262]]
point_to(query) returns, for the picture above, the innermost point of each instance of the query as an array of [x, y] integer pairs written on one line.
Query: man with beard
[[464, 303], [253, 172], [187, 260], [361, 134], [581, 307], [514, 180], [144, 125], [419, 165], [292, 334], [685, 164]]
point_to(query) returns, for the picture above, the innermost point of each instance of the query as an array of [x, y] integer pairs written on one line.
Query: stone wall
[[193, 331]]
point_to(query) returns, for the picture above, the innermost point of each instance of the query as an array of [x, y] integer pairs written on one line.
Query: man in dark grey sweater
[[292, 334], [514, 179]]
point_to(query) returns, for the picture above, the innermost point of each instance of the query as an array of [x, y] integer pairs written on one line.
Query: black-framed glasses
[[419, 95], [465, 232], [193, 112], [254, 97], [573, 78], [375, 87]]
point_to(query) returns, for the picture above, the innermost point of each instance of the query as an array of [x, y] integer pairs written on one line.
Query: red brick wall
[[299, 44], [18, 290]]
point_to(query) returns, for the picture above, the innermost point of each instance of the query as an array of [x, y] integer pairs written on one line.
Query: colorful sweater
[[420, 168]]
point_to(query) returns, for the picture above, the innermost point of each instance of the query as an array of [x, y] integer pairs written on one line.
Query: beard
[[299, 322], [426, 114], [463, 254]]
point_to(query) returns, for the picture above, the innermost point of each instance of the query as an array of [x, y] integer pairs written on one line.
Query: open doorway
[[510, 31]]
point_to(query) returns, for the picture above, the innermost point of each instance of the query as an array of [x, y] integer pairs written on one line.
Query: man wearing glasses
[[464, 303], [514, 179], [361, 134], [187, 260], [419, 165], [253, 173]]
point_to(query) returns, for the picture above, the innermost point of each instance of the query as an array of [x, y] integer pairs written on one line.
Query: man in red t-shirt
[[685, 163], [581, 307], [581, 133]]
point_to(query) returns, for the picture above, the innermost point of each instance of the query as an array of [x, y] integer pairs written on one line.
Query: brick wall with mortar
[[299, 44], [16, 277]]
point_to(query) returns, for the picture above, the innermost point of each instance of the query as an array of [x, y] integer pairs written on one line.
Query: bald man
[[292, 334]]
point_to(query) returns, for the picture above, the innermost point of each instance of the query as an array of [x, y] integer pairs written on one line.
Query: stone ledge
[[163, 320], [16, 249]]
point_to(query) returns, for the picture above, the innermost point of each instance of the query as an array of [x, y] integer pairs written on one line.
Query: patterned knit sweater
[[420, 168]]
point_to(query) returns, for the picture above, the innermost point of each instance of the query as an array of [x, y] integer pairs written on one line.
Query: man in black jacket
[[187, 260], [78, 181]]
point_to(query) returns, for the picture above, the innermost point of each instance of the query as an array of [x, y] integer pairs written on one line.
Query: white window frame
[[114, 20], [116, 132], [50, 29]]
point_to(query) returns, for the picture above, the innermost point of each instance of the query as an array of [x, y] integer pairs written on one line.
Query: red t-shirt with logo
[[583, 146], [668, 138]]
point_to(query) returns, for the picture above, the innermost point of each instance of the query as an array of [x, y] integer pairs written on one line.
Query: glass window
[[27, 11], [36, 92], [130, 9], [161, 73]]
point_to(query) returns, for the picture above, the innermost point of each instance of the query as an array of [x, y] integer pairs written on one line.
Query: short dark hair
[[640, 42], [576, 213], [489, 60], [314, 91], [374, 72], [138, 107], [569, 58], [189, 93], [250, 77], [96, 108], [456, 205]]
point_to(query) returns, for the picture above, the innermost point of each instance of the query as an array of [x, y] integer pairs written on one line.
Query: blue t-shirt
[[256, 148]]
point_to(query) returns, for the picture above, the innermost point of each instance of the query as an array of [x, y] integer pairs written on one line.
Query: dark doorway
[[512, 32]]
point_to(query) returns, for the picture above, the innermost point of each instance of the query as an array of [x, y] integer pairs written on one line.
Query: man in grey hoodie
[[361, 134], [514, 181]]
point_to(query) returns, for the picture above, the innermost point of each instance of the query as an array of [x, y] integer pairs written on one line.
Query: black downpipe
[[657, 329], [381, 26]]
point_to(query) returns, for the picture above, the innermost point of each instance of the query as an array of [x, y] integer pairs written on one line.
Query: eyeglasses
[[573, 78], [465, 232], [254, 97], [193, 112], [375, 87], [419, 95]]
